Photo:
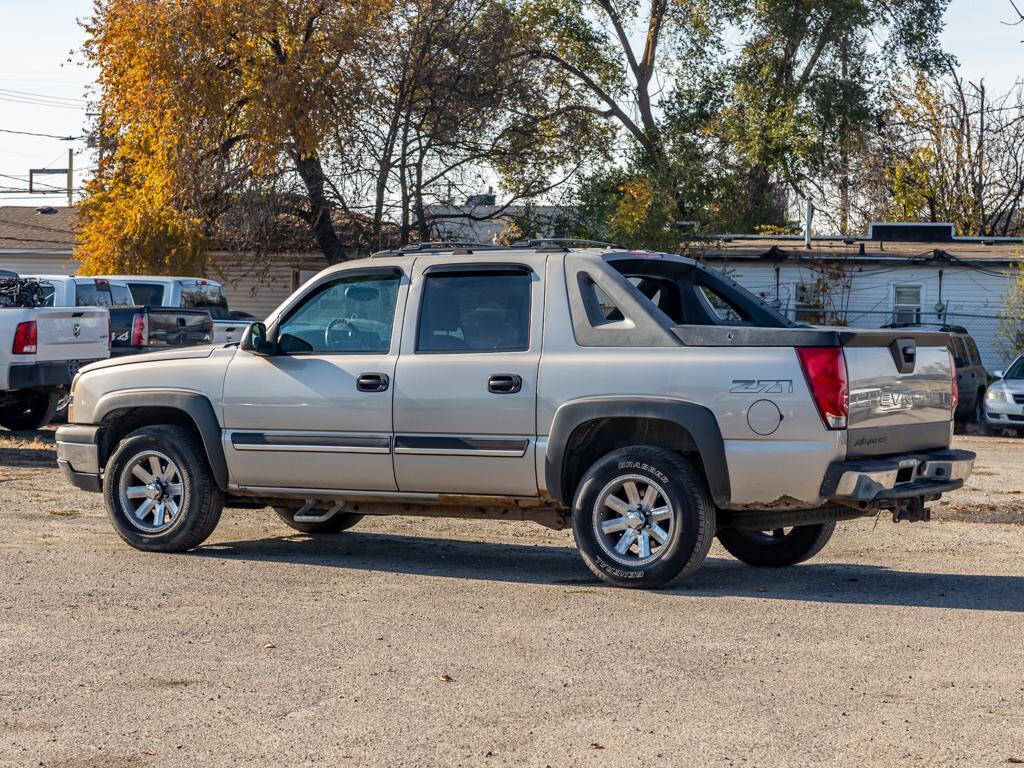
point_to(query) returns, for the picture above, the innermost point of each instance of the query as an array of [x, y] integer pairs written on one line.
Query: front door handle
[[505, 383], [372, 382]]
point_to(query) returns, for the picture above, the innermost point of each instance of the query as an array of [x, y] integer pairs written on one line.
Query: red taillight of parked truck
[[25, 339], [825, 371], [140, 330]]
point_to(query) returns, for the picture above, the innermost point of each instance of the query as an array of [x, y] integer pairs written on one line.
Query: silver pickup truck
[[642, 398]]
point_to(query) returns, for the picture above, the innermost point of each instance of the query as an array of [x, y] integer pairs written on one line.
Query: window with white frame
[[906, 304], [808, 304]]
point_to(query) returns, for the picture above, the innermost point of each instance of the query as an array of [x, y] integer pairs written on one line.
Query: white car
[[1004, 400], [189, 293]]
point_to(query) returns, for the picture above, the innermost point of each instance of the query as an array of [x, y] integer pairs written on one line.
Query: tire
[[342, 521], [29, 409], [766, 550], [661, 480], [980, 425], [179, 456]]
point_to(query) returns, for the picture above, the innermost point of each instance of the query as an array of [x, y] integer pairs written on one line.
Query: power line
[[48, 97], [39, 183], [39, 103], [43, 135]]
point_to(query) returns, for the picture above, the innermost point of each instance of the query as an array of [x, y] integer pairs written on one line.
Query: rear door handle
[[505, 383], [372, 382]]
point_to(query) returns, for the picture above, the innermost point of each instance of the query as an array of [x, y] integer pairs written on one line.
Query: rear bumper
[[898, 477], [78, 455], [49, 374]]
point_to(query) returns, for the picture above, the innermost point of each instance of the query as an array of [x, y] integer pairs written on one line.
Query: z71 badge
[[762, 386]]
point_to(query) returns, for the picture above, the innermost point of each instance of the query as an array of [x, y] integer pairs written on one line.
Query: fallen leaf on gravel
[[445, 677], [268, 646], [760, 589], [596, 745], [1015, 760], [65, 512]]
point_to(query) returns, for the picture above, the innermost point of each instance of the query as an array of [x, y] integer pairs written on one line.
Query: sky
[[42, 91]]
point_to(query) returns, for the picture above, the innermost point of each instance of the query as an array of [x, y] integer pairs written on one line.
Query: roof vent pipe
[[808, 215]]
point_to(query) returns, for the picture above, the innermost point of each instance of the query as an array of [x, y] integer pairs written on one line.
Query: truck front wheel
[[159, 490], [28, 409], [642, 517], [779, 547]]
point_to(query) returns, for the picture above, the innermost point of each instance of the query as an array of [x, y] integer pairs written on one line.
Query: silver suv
[[641, 397]]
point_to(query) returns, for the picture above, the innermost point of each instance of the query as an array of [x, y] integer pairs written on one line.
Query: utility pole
[[71, 175], [69, 172]]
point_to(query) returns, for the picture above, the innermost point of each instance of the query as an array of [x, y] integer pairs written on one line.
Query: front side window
[[353, 314], [475, 312], [1016, 371]]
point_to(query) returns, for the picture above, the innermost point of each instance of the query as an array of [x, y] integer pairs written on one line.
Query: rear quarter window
[[147, 294]]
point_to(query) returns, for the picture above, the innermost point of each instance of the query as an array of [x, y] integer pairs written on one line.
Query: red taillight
[[25, 340], [825, 371], [140, 330], [956, 387]]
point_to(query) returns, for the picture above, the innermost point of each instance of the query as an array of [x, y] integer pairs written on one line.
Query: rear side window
[[475, 312], [972, 350], [722, 308], [959, 350], [208, 296], [147, 294], [120, 296], [88, 294]]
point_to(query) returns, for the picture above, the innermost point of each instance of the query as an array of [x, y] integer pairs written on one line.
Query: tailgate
[[71, 333], [901, 391], [169, 327]]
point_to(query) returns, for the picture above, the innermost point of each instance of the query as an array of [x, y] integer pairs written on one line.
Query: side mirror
[[255, 339], [997, 374]]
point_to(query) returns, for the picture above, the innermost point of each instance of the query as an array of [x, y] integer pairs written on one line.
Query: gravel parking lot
[[413, 642]]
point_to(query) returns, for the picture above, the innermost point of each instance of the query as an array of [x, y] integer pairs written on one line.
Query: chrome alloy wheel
[[151, 492], [633, 520]]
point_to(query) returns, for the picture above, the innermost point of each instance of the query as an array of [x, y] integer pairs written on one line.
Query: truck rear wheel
[[643, 517], [339, 522], [28, 409], [779, 547], [159, 490]]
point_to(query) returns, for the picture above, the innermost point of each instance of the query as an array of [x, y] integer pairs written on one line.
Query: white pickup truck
[[41, 349], [190, 293]]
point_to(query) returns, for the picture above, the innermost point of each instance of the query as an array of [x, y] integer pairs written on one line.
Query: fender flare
[[696, 419], [196, 406]]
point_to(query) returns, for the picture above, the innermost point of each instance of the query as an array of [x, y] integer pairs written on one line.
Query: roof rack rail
[[461, 247], [564, 242], [457, 246]]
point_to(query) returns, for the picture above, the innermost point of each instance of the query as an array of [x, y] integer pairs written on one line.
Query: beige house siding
[[38, 263], [258, 288]]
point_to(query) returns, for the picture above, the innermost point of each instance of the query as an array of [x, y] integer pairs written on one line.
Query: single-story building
[[42, 241], [898, 273]]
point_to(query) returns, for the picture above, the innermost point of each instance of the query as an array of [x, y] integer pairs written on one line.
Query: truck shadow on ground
[[561, 566]]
